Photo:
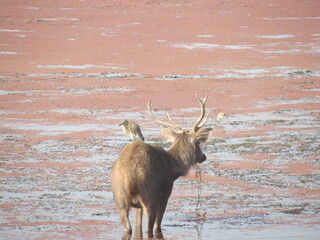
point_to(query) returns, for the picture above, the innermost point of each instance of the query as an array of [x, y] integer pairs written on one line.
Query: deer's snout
[[202, 158]]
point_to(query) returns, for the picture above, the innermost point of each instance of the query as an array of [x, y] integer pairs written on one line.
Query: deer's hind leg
[[150, 211], [138, 217], [124, 216], [123, 205], [160, 212]]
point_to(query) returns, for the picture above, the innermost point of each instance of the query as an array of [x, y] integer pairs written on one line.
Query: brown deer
[[142, 177]]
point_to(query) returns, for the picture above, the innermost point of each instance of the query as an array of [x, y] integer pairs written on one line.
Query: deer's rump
[[141, 172]]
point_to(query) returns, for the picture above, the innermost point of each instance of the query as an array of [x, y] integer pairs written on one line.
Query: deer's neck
[[181, 161]]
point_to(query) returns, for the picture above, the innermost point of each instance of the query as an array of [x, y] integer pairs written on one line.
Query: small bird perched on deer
[[132, 129]]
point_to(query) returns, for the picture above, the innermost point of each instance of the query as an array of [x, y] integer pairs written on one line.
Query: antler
[[197, 125], [149, 106]]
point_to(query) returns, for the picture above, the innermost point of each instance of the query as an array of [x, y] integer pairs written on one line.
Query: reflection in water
[[139, 235], [200, 211], [199, 227], [199, 207]]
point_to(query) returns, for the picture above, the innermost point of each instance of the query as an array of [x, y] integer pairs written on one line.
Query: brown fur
[[142, 177]]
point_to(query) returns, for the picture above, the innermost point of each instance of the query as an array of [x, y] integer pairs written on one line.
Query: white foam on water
[[14, 30], [21, 36], [205, 36], [291, 18], [9, 53], [57, 19], [264, 104], [84, 66], [26, 92], [85, 112], [193, 46], [49, 129], [281, 51], [127, 25], [280, 71], [6, 92], [251, 71], [281, 36]]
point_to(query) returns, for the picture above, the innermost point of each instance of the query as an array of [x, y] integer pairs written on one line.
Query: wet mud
[[72, 72]]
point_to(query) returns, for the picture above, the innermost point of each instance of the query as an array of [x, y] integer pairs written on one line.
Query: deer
[[142, 176]]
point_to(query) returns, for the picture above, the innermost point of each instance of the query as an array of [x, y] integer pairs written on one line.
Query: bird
[[220, 116], [132, 129]]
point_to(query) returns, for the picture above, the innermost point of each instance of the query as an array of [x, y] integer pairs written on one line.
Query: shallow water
[[63, 96], [242, 195]]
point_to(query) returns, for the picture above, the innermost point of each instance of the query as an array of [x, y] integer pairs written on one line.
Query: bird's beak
[[120, 124]]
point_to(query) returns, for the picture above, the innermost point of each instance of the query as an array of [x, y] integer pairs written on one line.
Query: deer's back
[[141, 165]]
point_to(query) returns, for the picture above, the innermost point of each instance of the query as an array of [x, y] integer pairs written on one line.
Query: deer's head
[[186, 143]]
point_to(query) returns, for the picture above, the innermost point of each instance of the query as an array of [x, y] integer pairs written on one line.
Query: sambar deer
[[142, 177]]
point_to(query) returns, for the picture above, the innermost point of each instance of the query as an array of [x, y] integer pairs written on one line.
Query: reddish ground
[[72, 70]]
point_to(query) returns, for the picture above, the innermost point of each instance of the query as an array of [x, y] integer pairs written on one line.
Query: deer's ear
[[168, 134], [203, 134]]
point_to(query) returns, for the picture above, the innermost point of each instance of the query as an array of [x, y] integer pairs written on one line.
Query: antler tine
[[149, 106], [169, 117], [197, 125], [203, 122]]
